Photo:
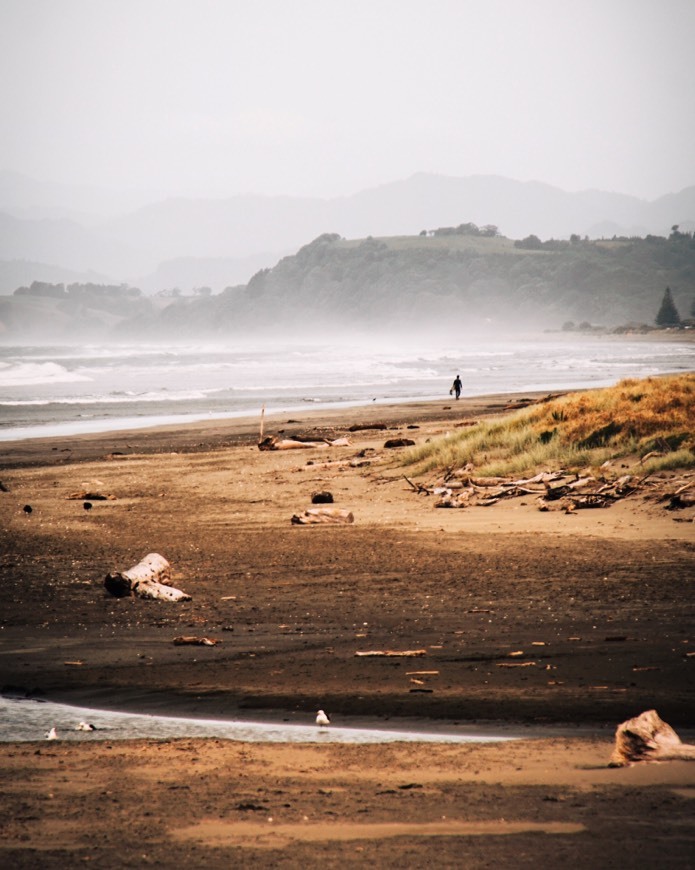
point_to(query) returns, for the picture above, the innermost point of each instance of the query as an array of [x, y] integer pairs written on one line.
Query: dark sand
[[598, 604]]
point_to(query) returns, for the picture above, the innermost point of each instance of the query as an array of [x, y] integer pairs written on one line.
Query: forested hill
[[465, 277]]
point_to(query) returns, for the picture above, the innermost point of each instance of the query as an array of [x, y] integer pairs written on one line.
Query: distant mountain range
[[50, 231]]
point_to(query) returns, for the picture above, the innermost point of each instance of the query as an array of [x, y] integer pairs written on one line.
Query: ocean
[[70, 390]]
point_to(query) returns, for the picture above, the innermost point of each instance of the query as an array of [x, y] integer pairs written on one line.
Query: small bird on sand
[[85, 726], [322, 718], [52, 734]]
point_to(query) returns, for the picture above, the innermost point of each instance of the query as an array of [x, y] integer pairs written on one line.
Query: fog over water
[[71, 390]]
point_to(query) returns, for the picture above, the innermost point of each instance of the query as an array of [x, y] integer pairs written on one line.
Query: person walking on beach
[[456, 386]]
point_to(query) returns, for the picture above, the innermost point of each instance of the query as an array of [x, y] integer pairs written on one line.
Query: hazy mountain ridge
[[130, 245], [457, 281]]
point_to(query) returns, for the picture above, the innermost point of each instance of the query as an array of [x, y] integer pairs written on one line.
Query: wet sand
[[595, 606]]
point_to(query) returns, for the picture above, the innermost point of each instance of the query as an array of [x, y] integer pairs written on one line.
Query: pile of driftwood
[[556, 490], [553, 490]]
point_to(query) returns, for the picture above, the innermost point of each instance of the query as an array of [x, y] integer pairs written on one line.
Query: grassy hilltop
[[464, 278]]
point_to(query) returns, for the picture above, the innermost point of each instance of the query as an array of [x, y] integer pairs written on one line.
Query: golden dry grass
[[577, 431]]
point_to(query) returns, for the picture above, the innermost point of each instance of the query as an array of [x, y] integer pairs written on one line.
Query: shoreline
[[244, 428]]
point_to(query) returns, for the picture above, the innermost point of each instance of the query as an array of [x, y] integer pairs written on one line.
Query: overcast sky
[[324, 98]]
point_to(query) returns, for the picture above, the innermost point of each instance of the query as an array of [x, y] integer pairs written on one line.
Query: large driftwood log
[[398, 442], [194, 640], [150, 578], [323, 515], [359, 427], [648, 738], [271, 442]]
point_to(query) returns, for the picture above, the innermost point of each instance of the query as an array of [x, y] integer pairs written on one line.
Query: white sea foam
[[27, 374], [124, 398]]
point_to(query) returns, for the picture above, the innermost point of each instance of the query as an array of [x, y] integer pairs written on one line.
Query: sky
[[319, 98]]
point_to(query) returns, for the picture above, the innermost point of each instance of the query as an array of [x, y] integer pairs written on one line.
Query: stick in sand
[[260, 437]]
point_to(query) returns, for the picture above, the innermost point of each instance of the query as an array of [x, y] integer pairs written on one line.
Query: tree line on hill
[[465, 278]]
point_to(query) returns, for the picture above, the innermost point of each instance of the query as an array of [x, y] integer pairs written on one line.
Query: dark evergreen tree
[[668, 313]]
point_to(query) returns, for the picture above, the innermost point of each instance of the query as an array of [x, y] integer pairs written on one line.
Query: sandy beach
[[575, 621]]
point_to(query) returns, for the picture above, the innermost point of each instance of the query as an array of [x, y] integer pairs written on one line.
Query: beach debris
[[323, 515], [391, 653], [359, 427], [27, 509], [681, 498], [150, 578], [4, 487], [52, 734], [87, 505], [554, 492], [322, 497], [296, 442], [460, 488], [85, 726], [322, 719], [272, 442], [515, 664], [398, 442], [184, 640], [418, 487], [89, 495], [648, 738]]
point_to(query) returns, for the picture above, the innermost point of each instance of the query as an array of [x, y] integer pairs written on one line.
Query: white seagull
[[52, 734], [85, 726], [322, 718]]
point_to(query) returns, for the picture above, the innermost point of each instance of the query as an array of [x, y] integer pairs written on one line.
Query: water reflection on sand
[[26, 720]]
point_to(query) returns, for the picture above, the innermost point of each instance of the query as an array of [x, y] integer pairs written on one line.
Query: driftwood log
[[323, 515], [648, 738], [681, 499], [191, 640], [398, 442], [89, 495], [272, 442], [150, 578]]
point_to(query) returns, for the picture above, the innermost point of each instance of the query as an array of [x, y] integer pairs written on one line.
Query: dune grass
[[577, 431]]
